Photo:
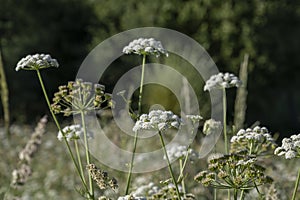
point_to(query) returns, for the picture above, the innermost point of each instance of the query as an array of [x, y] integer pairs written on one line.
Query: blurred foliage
[[67, 29]]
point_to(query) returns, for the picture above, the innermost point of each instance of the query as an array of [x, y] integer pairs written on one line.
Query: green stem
[[87, 153], [79, 159], [296, 186], [224, 120], [135, 135], [169, 165], [225, 126], [251, 148], [141, 85], [59, 128], [131, 164], [181, 165], [242, 195], [235, 194]]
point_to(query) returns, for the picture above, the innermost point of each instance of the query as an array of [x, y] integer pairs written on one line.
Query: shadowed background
[[68, 29]]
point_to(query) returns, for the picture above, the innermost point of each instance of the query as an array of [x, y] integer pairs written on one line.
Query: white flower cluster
[[212, 126], [145, 46], [180, 151], [72, 132], [146, 190], [290, 147], [222, 80], [257, 134], [37, 61], [194, 118], [157, 120], [131, 197]]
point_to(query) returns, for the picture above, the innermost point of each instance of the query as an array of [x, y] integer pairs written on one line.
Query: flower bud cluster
[[79, 96], [290, 147], [36, 62], [233, 171], [145, 46], [222, 80], [157, 120], [254, 141], [101, 177]]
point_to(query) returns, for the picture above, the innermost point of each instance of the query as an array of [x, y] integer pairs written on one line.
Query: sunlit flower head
[[157, 120], [36, 62], [255, 141], [222, 80], [290, 147], [72, 132], [145, 46]]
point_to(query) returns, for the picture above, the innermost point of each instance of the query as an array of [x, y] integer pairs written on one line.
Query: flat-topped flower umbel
[[254, 141], [222, 80], [157, 120], [145, 46], [36, 62], [290, 147]]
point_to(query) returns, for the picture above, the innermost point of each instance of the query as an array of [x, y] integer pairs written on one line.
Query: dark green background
[[67, 29]]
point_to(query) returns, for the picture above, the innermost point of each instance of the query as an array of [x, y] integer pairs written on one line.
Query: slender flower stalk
[[141, 86], [131, 163], [169, 165], [225, 120], [181, 167], [136, 133], [296, 185], [87, 153], [59, 128], [79, 159], [144, 47]]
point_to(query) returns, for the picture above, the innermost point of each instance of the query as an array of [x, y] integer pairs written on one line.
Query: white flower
[[157, 120], [290, 154], [145, 46], [212, 126], [194, 118], [72, 132], [290, 147], [258, 134], [177, 151], [221, 80], [36, 62]]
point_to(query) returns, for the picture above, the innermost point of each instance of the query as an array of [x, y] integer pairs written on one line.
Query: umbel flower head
[[72, 132], [254, 141], [177, 151], [79, 96], [222, 80], [233, 171], [157, 120], [36, 62], [145, 46], [290, 147]]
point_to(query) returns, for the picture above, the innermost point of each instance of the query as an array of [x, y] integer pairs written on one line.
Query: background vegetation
[[68, 29]]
